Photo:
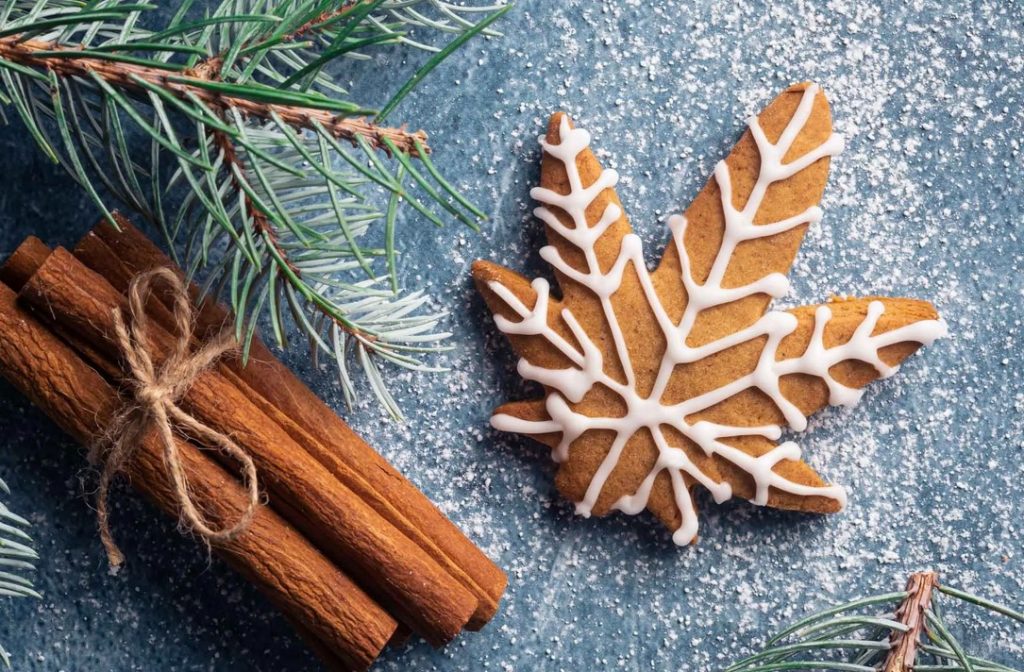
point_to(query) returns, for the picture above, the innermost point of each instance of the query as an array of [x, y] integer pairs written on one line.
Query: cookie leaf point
[[668, 380]]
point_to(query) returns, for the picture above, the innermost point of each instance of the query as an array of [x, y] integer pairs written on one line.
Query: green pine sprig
[[280, 184], [17, 558], [894, 632]]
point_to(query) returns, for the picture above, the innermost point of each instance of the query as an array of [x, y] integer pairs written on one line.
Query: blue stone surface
[[926, 202]]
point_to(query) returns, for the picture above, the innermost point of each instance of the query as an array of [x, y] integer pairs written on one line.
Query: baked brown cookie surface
[[659, 381]]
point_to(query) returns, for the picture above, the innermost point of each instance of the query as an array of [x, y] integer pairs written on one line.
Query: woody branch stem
[[911, 613], [33, 53]]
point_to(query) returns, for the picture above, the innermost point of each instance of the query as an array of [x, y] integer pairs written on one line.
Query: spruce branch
[[200, 83], [911, 633], [279, 184], [903, 645], [17, 557]]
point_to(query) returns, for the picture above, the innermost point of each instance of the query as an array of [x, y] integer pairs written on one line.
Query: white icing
[[570, 385]]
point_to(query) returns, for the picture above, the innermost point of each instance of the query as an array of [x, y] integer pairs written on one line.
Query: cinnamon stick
[[21, 264], [120, 255], [16, 270], [307, 587], [393, 569]]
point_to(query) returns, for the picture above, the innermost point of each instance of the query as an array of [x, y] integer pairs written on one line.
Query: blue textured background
[[925, 202]]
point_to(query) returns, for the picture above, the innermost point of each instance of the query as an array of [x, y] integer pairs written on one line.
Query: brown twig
[[209, 69], [322, 18], [122, 75], [262, 225], [910, 613]]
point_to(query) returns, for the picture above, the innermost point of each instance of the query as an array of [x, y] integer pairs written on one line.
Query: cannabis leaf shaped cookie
[[657, 382]]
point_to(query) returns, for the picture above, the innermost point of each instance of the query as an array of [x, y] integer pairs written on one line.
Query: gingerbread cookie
[[657, 382]]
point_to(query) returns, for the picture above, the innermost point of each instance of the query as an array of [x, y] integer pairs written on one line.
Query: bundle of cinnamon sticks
[[350, 551]]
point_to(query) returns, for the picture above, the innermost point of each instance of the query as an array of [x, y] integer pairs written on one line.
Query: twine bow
[[156, 391]]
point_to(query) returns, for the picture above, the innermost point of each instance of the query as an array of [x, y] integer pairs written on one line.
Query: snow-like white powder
[[926, 201]]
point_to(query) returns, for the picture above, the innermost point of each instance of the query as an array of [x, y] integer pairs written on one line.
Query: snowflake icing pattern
[[646, 428]]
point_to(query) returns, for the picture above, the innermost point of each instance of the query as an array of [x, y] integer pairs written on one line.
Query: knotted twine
[[155, 392]]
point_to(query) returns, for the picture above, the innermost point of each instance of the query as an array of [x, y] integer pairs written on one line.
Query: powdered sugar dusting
[[926, 201]]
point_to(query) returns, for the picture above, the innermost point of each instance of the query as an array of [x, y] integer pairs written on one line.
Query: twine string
[[156, 391]]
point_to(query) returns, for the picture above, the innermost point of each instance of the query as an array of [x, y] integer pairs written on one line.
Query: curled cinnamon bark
[[23, 262], [297, 578], [118, 255], [386, 563]]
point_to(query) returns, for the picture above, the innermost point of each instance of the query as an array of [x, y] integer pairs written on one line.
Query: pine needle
[[18, 555], [812, 643], [281, 191]]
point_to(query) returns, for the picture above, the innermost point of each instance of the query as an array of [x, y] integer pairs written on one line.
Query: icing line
[[572, 384]]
